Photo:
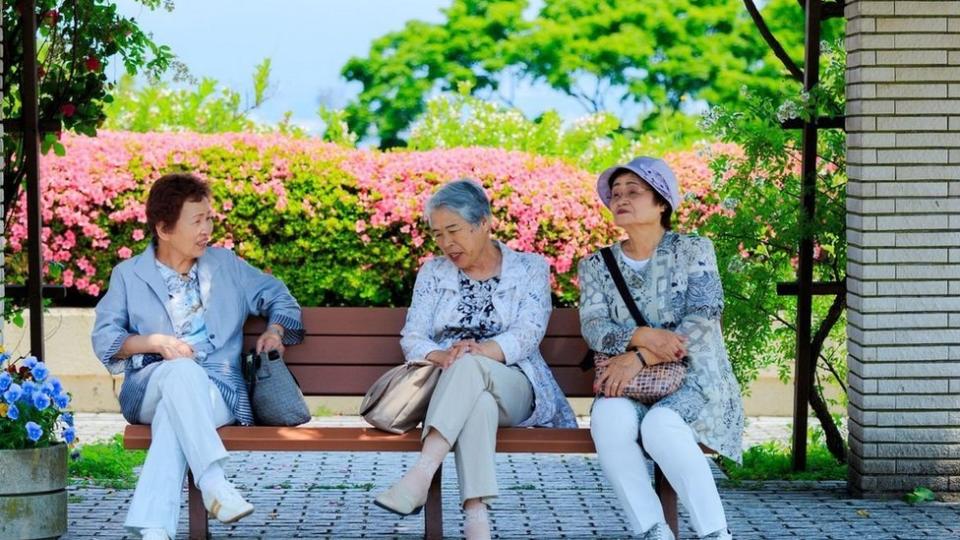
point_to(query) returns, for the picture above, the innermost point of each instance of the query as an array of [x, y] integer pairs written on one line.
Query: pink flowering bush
[[340, 226]]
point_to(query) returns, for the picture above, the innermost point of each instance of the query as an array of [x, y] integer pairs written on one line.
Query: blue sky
[[308, 42]]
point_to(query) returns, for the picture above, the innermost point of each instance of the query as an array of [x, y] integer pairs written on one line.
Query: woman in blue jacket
[[172, 323]]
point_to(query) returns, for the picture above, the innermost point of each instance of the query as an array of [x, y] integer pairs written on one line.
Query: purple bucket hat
[[653, 171]]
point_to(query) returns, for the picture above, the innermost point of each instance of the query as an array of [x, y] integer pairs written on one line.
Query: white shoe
[[660, 531], [226, 504], [154, 534]]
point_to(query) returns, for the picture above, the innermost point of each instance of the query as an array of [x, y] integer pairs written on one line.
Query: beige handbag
[[397, 402]]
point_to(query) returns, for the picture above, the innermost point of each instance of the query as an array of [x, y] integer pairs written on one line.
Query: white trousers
[[184, 409], [614, 425], [472, 398]]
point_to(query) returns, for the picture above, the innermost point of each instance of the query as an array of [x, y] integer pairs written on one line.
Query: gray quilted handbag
[[275, 395]]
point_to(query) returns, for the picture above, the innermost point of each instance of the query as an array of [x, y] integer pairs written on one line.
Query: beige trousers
[[472, 398]]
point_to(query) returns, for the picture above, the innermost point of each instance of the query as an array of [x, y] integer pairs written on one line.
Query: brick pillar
[[903, 233]]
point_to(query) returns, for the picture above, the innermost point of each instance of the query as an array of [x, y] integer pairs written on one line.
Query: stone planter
[[33, 494]]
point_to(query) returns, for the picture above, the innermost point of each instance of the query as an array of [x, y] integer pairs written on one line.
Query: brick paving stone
[[329, 495]]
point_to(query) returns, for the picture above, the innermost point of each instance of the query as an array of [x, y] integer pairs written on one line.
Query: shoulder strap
[[618, 280]]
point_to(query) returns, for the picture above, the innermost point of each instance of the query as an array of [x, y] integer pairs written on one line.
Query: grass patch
[[106, 464], [772, 461], [523, 487], [323, 410], [74, 499]]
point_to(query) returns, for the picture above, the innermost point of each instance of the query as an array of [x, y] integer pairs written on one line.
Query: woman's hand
[[271, 340], [169, 347], [621, 369], [490, 349], [446, 358], [659, 346]]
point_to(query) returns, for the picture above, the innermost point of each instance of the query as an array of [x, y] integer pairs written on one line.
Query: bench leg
[[433, 511], [196, 511], [668, 499]]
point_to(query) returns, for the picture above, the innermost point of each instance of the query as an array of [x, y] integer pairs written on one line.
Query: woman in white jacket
[[479, 312]]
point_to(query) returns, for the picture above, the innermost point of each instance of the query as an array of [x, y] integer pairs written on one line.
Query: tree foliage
[[201, 106], [76, 42], [658, 55]]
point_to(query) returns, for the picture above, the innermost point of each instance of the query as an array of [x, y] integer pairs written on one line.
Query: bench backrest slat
[[346, 349]]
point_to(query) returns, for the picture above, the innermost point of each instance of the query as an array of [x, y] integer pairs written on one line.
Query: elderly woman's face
[[190, 235], [632, 201], [460, 241]]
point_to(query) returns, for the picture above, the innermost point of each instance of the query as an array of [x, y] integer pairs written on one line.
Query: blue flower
[[5, 381], [34, 431], [61, 401], [55, 384], [13, 393], [68, 418], [40, 371], [29, 389], [13, 412], [41, 401], [30, 361], [47, 389], [69, 435]]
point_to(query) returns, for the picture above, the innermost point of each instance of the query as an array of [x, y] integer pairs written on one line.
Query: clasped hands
[[656, 346]]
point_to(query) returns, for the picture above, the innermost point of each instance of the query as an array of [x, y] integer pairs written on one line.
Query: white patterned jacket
[[521, 301]]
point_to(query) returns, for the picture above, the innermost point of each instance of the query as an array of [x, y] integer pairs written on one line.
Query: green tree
[[592, 142], [757, 239], [660, 56], [76, 41], [404, 67], [203, 107]]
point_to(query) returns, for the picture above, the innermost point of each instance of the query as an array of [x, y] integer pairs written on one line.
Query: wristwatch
[[276, 329], [640, 357]]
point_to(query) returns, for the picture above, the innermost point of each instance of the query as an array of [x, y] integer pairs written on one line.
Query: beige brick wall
[[903, 231]]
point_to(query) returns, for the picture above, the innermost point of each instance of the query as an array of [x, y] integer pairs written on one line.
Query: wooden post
[[197, 513], [433, 513], [668, 499]]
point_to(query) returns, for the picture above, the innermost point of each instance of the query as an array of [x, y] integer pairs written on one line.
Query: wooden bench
[[344, 352]]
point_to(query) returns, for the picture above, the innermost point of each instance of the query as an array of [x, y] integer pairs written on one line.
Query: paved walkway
[[328, 495]]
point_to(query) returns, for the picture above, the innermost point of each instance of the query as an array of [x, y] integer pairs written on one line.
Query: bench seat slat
[[358, 439]]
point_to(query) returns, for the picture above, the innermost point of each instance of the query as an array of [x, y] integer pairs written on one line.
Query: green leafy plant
[[920, 495], [592, 142], [203, 106], [106, 464], [757, 237], [773, 460]]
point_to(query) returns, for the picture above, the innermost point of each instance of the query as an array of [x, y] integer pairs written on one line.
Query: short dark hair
[[657, 198], [167, 196]]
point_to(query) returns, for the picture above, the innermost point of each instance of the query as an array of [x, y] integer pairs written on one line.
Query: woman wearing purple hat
[[673, 279]]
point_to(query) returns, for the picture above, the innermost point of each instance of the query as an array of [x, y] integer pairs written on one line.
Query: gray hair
[[465, 197]]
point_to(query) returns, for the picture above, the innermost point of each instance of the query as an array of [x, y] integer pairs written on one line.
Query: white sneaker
[[226, 504], [660, 531], [154, 534]]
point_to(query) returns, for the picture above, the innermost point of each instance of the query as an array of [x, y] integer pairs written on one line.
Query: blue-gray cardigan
[[137, 303]]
